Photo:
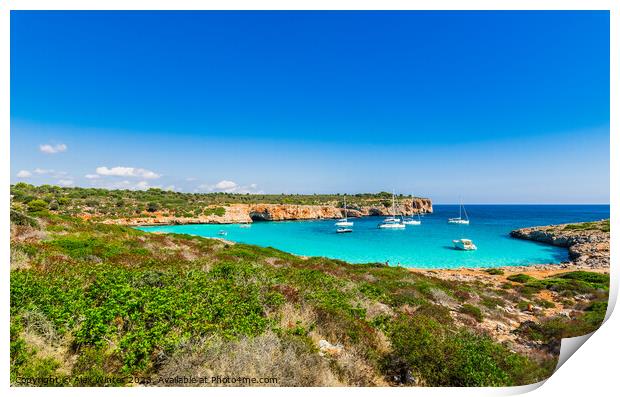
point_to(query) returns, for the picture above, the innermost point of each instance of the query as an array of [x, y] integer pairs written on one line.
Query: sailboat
[[460, 220], [345, 221], [392, 222], [410, 220]]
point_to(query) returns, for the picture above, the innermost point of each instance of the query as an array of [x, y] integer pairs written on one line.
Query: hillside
[[107, 304]]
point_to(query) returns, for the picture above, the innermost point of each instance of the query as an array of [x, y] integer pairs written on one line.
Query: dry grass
[[289, 360], [21, 233], [375, 309], [293, 315], [39, 334], [19, 259]]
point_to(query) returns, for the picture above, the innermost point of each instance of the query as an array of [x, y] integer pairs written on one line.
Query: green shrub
[[218, 211], [37, 205], [427, 351], [520, 278], [18, 218], [472, 310]]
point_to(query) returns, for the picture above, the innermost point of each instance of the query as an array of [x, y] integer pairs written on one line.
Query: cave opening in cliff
[[259, 216]]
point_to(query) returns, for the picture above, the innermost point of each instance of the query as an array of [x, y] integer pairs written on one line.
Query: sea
[[428, 245]]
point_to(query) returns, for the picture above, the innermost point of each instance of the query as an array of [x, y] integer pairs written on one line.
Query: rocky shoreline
[[248, 213], [588, 247]]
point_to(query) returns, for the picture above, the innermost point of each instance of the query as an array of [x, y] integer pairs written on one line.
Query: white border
[[593, 373]]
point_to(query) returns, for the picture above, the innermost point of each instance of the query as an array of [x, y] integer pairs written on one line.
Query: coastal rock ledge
[[587, 243]]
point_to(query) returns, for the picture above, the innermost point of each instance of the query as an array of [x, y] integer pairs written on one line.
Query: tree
[[152, 206]]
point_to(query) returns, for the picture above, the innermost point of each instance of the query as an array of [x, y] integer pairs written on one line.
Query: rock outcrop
[[588, 244], [247, 213]]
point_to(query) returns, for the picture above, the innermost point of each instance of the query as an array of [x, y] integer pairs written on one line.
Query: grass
[[125, 302]]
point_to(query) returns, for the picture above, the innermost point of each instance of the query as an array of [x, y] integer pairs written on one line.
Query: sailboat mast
[[393, 204]]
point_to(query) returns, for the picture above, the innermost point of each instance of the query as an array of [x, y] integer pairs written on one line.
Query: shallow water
[[425, 246]]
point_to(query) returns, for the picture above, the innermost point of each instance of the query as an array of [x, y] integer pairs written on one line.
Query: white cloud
[[43, 172], [142, 185], [65, 182], [53, 149], [226, 186], [124, 184], [127, 172], [24, 174], [91, 176]]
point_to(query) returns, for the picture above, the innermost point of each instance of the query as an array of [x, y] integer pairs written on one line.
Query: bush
[[54, 205], [37, 205], [152, 207], [473, 311], [18, 218], [218, 211], [423, 349], [520, 278]]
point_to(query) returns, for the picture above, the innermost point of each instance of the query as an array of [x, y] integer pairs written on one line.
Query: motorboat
[[464, 244], [344, 230]]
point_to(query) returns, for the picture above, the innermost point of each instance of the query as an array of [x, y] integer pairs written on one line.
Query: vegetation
[[473, 311], [601, 225], [103, 203], [99, 303], [571, 283]]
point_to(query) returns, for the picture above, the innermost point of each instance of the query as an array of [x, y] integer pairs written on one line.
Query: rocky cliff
[[247, 213], [587, 243]]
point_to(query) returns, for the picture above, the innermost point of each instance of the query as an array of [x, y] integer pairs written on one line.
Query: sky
[[484, 107]]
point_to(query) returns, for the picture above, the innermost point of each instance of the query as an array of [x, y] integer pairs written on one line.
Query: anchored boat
[[410, 220], [464, 244], [345, 221], [392, 222], [460, 220]]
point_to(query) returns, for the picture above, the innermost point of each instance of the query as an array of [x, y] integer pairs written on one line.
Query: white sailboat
[[392, 222], [345, 221], [460, 220], [410, 220]]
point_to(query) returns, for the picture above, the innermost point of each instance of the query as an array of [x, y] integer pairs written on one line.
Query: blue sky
[[493, 107]]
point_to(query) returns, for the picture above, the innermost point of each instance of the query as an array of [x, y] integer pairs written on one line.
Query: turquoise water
[[426, 246]]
